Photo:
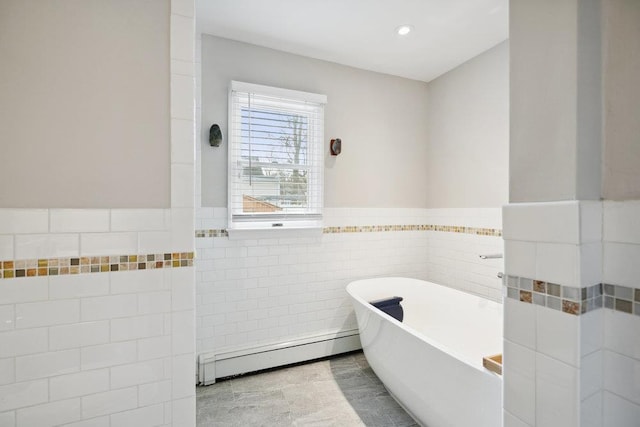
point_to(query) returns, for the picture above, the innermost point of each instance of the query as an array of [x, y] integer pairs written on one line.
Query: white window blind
[[276, 160]]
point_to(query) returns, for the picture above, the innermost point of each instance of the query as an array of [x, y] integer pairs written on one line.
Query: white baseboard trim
[[219, 365]]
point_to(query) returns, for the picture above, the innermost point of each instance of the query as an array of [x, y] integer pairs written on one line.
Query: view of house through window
[[275, 157], [274, 151]]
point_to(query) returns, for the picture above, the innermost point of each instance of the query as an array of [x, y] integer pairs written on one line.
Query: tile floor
[[341, 391]]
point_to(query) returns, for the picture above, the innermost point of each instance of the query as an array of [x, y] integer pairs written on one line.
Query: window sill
[[259, 231]]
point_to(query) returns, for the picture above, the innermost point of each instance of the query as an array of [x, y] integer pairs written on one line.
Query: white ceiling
[[361, 33]]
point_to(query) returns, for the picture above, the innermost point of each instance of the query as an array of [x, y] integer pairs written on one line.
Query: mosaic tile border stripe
[[382, 228], [622, 298], [572, 300], [95, 264], [211, 233]]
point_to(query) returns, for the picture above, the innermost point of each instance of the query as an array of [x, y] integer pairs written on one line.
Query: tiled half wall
[[261, 291], [564, 260], [97, 320]]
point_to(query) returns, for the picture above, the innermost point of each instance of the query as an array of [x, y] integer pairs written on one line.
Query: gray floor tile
[[342, 391]]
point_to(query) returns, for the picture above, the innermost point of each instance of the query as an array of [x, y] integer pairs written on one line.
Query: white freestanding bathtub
[[432, 362]]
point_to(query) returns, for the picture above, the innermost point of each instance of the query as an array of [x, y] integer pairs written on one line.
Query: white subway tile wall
[[171, 399], [554, 243], [520, 391], [591, 411], [6, 246], [558, 263], [557, 393], [622, 222], [590, 263], [62, 287], [181, 176], [621, 354], [621, 367], [554, 222], [93, 422], [79, 384], [619, 412], [48, 364], [591, 332], [95, 350], [557, 242], [78, 220], [521, 327], [97, 341], [621, 266], [182, 227], [512, 421], [34, 246], [23, 394], [558, 335], [103, 243], [182, 96], [50, 414], [153, 242], [602, 344], [259, 291], [24, 221], [140, 219], [182, 135]]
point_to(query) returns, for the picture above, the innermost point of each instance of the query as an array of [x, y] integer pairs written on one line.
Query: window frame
[[305, 102]]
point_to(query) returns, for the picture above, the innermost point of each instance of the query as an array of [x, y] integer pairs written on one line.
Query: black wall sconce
[[335, 146], [215, 136]]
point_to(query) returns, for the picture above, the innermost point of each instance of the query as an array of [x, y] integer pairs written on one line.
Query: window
[[276, 160]]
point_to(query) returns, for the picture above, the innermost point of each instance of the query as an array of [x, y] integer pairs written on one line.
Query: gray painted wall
[[543, 111], [381, 120], [405, 143], [84, 103], [589, 101], [556, 123], [621, 169], [575, 134], [468, 117]]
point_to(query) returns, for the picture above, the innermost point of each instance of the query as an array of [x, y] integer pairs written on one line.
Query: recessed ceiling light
[[403, 30]]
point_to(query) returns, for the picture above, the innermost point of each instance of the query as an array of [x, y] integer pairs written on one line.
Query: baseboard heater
[[220, 365]]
